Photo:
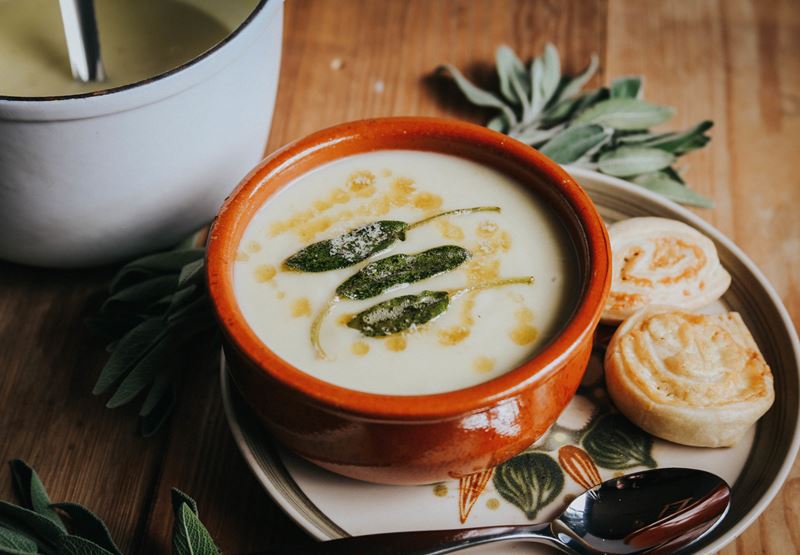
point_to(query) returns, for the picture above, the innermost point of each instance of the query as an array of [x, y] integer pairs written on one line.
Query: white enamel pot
[[101, 177]]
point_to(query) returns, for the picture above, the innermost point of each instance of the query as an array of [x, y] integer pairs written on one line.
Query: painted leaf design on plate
[[470, 488], [400, 269], [530, 481], [579, 466], [615, 443]]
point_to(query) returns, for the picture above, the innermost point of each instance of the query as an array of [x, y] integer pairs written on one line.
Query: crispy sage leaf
[[400, 313], [16, 543], [189, 536], [400, 269], [347, 249], [362, 242], [572, 143], [32, 493], [634, 160], [625, 113], [661, 183], [626, 87], [89, 526], [530, 481]]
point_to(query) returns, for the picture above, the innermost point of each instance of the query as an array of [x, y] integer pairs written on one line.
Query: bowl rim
[[234, 33], [223, 244]]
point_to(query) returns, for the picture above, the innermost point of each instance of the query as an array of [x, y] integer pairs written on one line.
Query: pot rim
[[113, 91], [224, 241]]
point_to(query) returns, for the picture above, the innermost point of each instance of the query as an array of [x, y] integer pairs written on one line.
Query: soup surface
[[138, 38], [483, 333]]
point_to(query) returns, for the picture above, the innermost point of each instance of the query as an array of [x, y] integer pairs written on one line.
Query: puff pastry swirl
[[694, 379], [661, 261]]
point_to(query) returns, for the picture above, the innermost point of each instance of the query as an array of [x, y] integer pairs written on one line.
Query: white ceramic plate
[[599, 442]]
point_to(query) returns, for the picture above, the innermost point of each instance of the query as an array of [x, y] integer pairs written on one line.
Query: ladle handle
[[431, 542], [83, 41]]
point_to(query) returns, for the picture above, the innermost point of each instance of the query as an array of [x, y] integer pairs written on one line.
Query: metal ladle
[[656, 512], [83, 42]]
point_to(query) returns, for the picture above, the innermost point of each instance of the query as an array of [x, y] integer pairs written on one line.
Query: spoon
[[656, 511], [83, 43]]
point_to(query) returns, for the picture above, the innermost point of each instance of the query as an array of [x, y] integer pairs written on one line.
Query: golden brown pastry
[[694, 379], [661, 261]]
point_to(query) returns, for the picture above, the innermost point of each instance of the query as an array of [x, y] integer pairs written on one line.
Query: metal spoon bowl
[[656, 511]]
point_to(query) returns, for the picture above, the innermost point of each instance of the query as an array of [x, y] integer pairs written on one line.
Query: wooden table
[[734, 61]]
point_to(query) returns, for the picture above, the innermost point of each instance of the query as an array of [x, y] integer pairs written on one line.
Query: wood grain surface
[[734, 61]]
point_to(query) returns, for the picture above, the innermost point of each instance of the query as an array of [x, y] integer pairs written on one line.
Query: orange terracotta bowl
[[423, 438]]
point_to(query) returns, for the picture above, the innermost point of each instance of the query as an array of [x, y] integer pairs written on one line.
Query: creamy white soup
[[487, 327]]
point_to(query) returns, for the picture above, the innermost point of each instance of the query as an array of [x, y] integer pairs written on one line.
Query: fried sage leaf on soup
[[347, 249], [362, 242], [401, 269], [400, 313]]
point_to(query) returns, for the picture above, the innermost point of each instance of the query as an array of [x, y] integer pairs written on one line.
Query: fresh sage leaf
[[130, 350], [530, 481], [189, 536], [625, 113], [89, 526], [626, 87], [633, 160], [154, 264], [535, 136], [347, 249], [551, 73], [30, 523], [661, 183], [144, 371], [76, 545], [145, 291], [477, 95], [158, 415], [513, 78], [498, 123], [683, 142], [16, 543], [400, 313], [572, 143], [191, 273], [401, 269], [572, 86], [159, 388], [32, 493]]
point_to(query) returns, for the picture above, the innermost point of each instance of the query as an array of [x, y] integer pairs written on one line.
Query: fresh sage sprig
[[38, 526], [362, 242], [155, 314], [606, 129], [402, 313]]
